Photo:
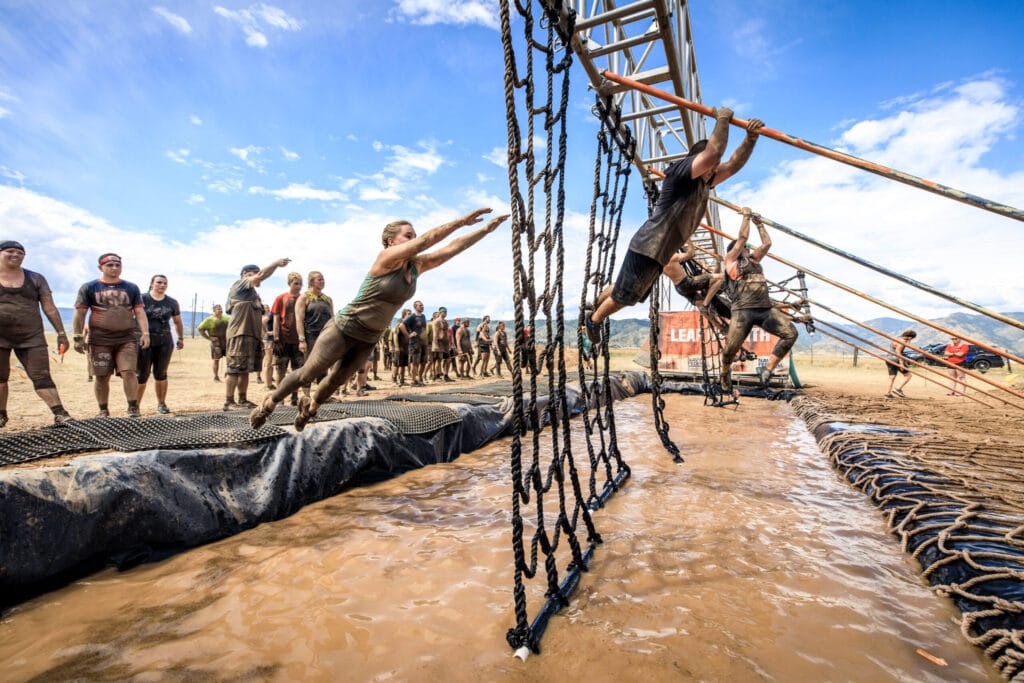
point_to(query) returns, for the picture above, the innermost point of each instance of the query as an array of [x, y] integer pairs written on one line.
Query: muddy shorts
[[216, 349], [108, 359], [418, 352], [245, 355], [35, 360], [637, 276]]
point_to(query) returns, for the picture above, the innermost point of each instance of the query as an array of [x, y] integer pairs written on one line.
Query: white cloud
[[405, 162], [301, 192], [195, 199], [288, 154], [225, 185], [178, 155], [249, 155], [11, 174], [195, 120], [255, 19], [178, 22], [958, 248], [378, 194], [63, 242], [4, 112], [498, 156], [459, 12]]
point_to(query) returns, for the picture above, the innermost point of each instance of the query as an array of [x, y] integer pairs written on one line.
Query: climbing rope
[[536, 109]]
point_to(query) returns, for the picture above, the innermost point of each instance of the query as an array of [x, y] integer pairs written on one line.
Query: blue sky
[[195, 137]]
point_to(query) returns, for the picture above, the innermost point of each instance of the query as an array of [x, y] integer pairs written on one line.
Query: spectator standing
[[956, 354], [156, 358], [214, 329], [287, 354], [114, 307], [22, 293], [245, 329]]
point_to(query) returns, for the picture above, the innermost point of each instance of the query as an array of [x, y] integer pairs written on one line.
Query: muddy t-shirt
[[676, 215], [159, 314], [246, 310], [111, 308], [749, 288], [21, 326], [216, 328], [284, 308]]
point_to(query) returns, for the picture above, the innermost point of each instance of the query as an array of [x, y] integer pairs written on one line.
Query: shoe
[[361, 392], [593, 329], [134, 412], [162, 409], [229, 405], [899, 392], [246, 404], [259, 416], [271, 386], [448, 379], [103, 413], [89, 380], [765, 375], [216, 378], [59, 418], [376, 378], [259, 380], [3, 421], [950, 393], [302, 415], [889, 395], [295, 400], [369, 387]]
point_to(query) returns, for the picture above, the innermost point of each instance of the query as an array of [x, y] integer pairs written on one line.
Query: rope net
[[559, 530], [957, 506]]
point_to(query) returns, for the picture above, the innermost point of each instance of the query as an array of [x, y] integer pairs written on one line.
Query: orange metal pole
[[869, 166]]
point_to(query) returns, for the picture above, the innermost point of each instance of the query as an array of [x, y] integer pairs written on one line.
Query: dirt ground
[[853, 391]]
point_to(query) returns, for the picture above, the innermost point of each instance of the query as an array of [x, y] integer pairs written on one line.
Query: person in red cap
[[22, 292], [114, 307]]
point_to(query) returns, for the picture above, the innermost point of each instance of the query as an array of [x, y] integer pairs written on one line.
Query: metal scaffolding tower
[[650, 41]]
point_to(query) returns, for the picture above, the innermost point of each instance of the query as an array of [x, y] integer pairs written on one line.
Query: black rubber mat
[[187, 431], [132, 434], [452, 397]]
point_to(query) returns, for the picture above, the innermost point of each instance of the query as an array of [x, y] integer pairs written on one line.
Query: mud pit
[[751, 561]]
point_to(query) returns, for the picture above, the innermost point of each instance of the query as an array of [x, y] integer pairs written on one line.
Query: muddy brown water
[[753, 561]]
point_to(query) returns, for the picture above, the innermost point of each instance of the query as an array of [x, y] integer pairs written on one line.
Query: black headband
[[11, 244]]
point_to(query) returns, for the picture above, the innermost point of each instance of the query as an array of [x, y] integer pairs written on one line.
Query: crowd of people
[[300, 342]]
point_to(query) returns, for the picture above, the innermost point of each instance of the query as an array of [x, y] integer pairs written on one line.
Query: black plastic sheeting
[[58, 522]]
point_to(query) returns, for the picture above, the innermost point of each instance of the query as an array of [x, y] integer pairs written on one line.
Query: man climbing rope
[[751, 304], [682, 202]]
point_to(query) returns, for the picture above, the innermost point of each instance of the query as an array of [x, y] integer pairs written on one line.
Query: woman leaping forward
[[347, 343]]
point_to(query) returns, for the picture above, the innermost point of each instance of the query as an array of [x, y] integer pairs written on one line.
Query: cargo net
[[957, 507], [543, 466]]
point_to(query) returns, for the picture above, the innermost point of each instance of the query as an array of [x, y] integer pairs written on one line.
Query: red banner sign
[[680, 346]]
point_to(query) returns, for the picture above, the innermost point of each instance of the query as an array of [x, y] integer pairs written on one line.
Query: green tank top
[[379, 298]]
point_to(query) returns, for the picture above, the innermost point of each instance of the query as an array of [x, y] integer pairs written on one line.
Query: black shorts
[[893, 368], [286, 354], [691, 285], [155, 359], [637, 276]]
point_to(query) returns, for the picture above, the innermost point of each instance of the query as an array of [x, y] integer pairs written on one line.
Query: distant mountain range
[[634, 332]]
